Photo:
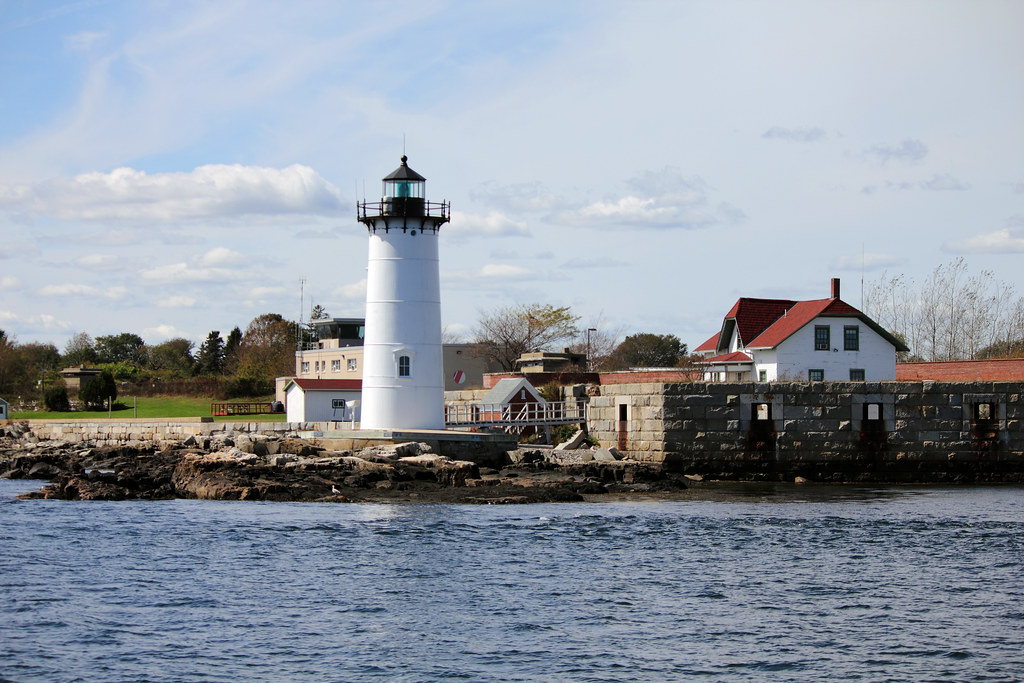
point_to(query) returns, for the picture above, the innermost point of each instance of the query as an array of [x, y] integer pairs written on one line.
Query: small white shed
[[323, 400], [5, 412]]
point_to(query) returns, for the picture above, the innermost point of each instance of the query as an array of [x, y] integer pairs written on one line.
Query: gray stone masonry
[[927, 431]]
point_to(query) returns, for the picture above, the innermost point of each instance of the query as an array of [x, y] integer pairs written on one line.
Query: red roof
[[734, 357], [709, 345], [327, 384], [766, 323], [799, 315], [753, 316]]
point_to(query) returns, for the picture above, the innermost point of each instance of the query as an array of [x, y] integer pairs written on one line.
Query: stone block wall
[[842, 431], [160, 430]]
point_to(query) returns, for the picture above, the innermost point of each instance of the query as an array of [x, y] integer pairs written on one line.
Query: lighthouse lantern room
[[403, 376]]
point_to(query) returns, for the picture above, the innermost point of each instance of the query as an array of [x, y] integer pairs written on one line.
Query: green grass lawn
[[156, 406]]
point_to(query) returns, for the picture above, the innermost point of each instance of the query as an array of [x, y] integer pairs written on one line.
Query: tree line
[[504, 334], [950, 315], [242, 364]]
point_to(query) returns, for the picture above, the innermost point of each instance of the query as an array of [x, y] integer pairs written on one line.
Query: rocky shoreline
[[245, 467]]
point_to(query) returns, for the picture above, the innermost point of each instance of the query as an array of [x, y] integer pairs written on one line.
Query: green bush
[[55, 398], [96, 390], [247, 387]]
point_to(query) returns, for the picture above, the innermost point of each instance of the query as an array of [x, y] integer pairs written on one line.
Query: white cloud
[[999, 242], [520, 197], [177, 301], [216, 265], [943, 182], [803, 134], [221, 256], [9, 282], [907, 150], [43, 321], [73, 289], [97, 261], [502, 271], [264, 293], [161, 333], [663, 199], [940, 182], [214, 191], [354, 291], [494, 224]]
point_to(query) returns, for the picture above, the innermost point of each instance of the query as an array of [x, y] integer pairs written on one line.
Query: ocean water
[[747, 584]]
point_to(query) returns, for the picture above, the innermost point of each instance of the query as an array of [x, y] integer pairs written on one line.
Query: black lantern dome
[[404, 198]]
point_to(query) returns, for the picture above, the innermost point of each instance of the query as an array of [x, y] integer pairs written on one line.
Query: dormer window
[[404, 366]]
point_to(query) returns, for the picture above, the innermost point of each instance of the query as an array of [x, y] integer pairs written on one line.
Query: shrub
[[247, 387], [55, 398], [96, 390]]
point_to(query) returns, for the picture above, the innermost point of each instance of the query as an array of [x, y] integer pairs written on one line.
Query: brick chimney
[[835, 288]]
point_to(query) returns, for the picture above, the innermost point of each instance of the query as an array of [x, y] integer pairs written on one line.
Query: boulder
[[604, 455], [43, 470], [574, 442]]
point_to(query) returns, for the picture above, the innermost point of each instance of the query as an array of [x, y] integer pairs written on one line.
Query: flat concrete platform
[[443, 441]]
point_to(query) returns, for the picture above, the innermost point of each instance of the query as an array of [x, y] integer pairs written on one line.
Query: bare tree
[[506, 333], [951, 316]]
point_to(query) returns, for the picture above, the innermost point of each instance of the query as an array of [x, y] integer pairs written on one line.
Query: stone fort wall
[[834, 431]]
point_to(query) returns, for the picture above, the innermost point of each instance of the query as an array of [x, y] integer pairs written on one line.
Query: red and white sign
[[459, 377]]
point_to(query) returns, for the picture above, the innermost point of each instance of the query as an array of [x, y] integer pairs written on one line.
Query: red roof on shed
[[326, 384]]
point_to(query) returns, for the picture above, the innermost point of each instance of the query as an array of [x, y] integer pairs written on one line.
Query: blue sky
[[171, 168]]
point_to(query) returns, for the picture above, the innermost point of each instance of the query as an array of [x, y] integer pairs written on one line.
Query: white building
[[762, 340], [323, 400], [403, 375]]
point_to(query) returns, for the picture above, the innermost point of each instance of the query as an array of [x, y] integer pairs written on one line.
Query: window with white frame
[[336, 365], [816, 375], [404, 366], [352, 365], [305, 366]]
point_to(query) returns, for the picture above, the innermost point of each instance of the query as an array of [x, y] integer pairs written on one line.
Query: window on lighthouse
[[403, 366]]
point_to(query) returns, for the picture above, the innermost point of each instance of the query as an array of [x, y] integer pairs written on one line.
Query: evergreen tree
[[210, 360]]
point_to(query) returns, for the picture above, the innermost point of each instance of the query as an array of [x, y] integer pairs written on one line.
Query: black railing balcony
[[403, 207]]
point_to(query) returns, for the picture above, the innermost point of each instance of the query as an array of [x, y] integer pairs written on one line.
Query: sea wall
[[825, 431], [158, 430]]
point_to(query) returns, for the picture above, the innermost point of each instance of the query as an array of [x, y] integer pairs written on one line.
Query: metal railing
[[403, 207], [526, 415]]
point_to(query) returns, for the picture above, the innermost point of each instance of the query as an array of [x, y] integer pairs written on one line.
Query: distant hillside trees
[[952, 315]]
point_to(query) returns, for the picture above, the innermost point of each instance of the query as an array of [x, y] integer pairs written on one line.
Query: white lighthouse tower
[[403, 376]]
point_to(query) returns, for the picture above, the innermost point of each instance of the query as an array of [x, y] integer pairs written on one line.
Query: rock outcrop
[[292, 469]]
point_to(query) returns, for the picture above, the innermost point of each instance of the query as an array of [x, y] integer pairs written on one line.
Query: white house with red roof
[[323, 400], [762, 340]]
